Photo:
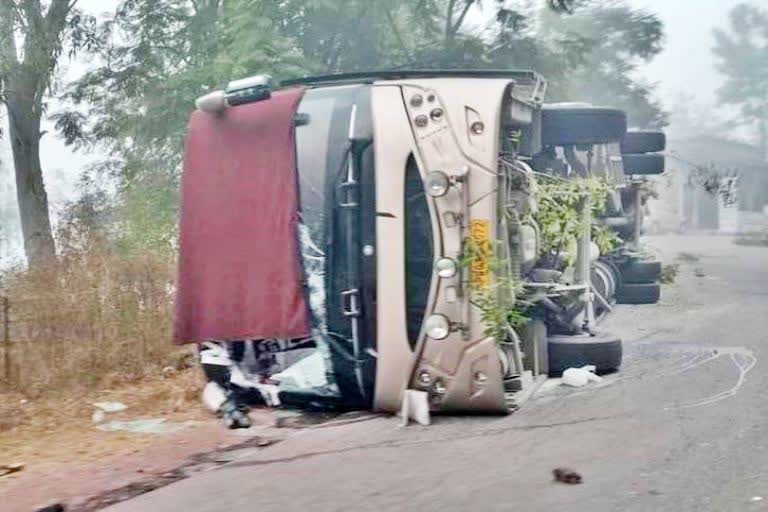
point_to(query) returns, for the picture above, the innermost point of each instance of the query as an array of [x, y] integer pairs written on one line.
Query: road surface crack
[[406, 443]]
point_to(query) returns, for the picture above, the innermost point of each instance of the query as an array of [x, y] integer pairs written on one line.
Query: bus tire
[[604, 351], [644, 142], [641, 272], [571, 126], [643, 293], [648, 164]]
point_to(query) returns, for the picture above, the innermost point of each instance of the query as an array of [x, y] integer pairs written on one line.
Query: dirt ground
[[64, 457]]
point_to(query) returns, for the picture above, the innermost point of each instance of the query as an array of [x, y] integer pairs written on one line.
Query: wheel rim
[[607, 274]]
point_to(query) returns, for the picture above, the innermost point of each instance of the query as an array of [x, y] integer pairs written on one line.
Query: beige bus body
[[451, 125]]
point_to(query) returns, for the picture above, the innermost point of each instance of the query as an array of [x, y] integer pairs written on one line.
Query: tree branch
[[399, 37], [463, 15], [8, 51], [449, 20]]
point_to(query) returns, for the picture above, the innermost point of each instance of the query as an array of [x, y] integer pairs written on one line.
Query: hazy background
[[685, 73]]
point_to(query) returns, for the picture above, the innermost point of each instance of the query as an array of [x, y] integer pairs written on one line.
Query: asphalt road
[[682, 426]]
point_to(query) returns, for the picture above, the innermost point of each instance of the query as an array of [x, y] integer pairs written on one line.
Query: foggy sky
[[685, 66]]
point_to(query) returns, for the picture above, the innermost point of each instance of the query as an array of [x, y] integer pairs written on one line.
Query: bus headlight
[[446, 268], [438, 327], [437, 184]]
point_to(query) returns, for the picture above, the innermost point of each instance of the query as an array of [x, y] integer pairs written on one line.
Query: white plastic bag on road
[[579, 377]]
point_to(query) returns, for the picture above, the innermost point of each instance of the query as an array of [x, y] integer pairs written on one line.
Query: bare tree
[[30, 44]]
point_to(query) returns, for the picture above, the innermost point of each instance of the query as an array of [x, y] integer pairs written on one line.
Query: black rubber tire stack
[[639, 293], [641, 272], [639, 282]]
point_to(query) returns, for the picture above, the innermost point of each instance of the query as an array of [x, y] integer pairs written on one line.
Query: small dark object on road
[[566, 476], [7, 469], [687, 257], [57, 507]]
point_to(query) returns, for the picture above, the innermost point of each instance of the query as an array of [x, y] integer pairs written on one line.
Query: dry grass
[[59, 429], [89, 320]]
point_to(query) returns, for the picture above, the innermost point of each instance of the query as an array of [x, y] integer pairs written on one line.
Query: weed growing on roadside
[[669, 273]]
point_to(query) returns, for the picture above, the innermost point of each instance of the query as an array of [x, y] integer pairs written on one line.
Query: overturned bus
[[336, 234]]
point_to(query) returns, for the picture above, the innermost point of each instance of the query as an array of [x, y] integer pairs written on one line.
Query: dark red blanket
[[239, 265]]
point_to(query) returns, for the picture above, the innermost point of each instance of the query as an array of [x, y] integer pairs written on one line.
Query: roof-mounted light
[[238, 92]]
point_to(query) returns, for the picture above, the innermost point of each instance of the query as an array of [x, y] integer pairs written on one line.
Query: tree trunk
[[24, 131]]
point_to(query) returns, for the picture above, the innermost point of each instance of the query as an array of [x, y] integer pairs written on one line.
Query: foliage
[[156, 56], [353, 35], [499, 299], [559, 215], [742, 53], [612, 39], [716, 181], [605, 239], [31, 42]]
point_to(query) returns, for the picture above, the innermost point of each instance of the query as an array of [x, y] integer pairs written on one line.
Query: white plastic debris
[[269, 392], [110, 406], [579, 377], [306, 373], [415, 407], [755, 499], [213, 396], [144, 426], [215, 354], [97, 416]]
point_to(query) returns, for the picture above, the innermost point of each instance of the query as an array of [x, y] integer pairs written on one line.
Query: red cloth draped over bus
[[239, 264]]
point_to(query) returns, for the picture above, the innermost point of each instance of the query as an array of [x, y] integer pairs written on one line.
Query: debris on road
[[687, 257], [144, 426], [214, 396], [56, 507], [415, 407], [756, 499], [566, 476], [97, 416], [7, 469], [110, 406], [102, 408], [234, 415], [579, 377]]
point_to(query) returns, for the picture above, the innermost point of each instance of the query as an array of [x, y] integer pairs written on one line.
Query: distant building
[[736, 175]]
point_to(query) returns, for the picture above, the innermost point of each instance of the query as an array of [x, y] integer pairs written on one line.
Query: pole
[[7, 339], [637, 193], [584, 261]]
